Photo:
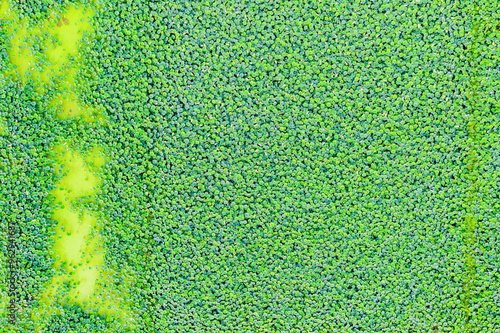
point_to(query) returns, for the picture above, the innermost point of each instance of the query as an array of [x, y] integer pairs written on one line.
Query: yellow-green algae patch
[[47, 55], [77, 253], [3, 126], [80, 274], [96, 157], [68, 105], [78, 181], [4, 8]]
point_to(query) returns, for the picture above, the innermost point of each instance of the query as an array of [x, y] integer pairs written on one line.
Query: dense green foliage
[[483, 71], [26, 176], [295, 166]]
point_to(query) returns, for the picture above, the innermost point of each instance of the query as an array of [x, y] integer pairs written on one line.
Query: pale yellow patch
[[75, 247], [96, 158], [68, 29], [78, 181], [68, 105], [78, 249], [3, 126], [20, 53], [4, 9]]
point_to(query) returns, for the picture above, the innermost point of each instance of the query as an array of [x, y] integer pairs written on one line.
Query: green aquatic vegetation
[[479, 296], [297, 166]]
